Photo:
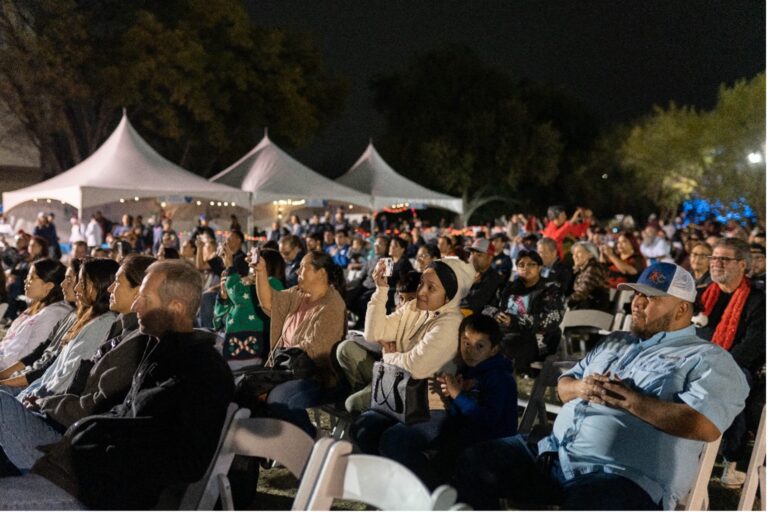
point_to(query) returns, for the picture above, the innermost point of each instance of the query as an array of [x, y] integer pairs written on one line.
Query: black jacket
[[163, 434], [483, 292]]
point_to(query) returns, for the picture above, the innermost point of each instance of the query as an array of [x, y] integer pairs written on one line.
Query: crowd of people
[[116, 364]]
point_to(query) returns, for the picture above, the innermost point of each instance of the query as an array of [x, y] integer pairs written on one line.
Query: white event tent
[[385, 187], [270, 175], [125, 166]]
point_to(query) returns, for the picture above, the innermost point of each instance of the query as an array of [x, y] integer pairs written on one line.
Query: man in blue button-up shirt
[[638, 411]]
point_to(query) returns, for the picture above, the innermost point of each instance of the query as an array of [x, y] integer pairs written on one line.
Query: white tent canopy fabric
[[385, 187], [125, 166], [270, 175]]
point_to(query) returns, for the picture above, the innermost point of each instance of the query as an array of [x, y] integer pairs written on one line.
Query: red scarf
[[725, 332]]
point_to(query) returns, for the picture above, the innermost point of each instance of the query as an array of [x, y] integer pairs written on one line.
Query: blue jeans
[[289, 401], [21, 431], [33, 492], [509, 468], [378, 434]]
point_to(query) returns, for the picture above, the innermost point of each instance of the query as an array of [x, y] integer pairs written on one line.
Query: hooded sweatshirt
[[426, 341]]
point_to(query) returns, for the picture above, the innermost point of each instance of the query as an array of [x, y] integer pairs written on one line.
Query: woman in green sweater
[[238, 313]]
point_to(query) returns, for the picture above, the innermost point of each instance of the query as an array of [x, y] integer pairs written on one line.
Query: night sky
[[618, 57]]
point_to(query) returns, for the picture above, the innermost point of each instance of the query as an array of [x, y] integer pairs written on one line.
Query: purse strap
[[398, 400]]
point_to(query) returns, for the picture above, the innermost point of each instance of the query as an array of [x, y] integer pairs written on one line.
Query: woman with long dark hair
[[48, 307], [29, 368], [84, 337], [310, 316]]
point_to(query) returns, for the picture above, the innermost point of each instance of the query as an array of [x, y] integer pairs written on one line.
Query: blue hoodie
[[489, 409]]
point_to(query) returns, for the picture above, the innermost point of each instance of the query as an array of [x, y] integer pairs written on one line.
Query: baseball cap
[[502, 236], [482, 245], [664, 279]]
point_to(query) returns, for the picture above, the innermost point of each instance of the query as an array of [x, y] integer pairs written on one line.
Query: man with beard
[[165, 431], [638, 411], [733, 317]]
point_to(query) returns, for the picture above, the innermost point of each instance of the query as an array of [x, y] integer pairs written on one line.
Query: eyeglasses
[[722, 259], [527, 265], [699, 255]]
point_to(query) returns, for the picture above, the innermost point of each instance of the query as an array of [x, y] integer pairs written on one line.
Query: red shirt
[[558, 234]]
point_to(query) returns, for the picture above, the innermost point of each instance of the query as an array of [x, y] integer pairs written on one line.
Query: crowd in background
[[487, 299]]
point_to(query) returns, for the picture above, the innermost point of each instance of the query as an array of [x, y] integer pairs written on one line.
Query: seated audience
[[360, 290], [530, 311], [84, 337], [425, 255], [699, 258], [20, 374], [100, 383], [311, 317], [590, 279], [501, 263], [418, 336], [553, 268], [733, 317], [638, 411], [36, 323], [238, 314], [655, 247], [559, 227], [624, 261], [292, 251], [165, 431], [487, 281], [480, 403]]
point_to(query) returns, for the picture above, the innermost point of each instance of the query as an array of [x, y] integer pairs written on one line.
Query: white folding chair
[[755, 471], [255, 437], [698, 497], [621, 299], [588, 320], [193, 494], [373, 480], [618, 322], [3, 309]]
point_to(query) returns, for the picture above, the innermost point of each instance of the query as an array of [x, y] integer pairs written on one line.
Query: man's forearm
[[679, 420], [568, 389]]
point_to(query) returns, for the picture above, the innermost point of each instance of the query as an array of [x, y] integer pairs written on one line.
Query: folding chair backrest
[[698, 497], [536, 408], [627, 324], [621, 299], [618, 322], [256, 437], [586, 318], [755, 471], [3, 309], [376, 481], [194, 495]]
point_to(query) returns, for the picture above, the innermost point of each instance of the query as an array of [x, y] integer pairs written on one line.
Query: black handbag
[[253, 383], [398, 395]]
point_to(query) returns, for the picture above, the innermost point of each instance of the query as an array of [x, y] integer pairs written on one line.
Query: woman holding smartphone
[[310, 316]]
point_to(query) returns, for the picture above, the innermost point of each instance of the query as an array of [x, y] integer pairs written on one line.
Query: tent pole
[[249, 225]]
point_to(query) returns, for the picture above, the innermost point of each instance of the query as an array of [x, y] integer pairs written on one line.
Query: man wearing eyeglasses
[[733, 316]]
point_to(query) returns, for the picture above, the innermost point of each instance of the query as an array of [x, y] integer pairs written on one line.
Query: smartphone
[[490, 311], [254, 255], [389, 265], [220, 250]]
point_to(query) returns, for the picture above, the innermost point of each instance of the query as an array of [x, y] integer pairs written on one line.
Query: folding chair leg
[[225, 493]]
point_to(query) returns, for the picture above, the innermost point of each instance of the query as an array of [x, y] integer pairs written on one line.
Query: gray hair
[[589, 247], [548, 243], [181, 282], [739, 247]]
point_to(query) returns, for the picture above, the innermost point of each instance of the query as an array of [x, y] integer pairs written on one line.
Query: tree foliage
[[459, 126], [679, 151], [197, 76]]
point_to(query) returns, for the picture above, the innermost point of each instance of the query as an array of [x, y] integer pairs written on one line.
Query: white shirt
[[94, 236], [27, 332]]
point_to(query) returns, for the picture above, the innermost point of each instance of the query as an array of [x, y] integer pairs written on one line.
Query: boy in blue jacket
[[481, 399]]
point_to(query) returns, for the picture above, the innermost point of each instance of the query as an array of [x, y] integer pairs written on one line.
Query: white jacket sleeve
[[435, 348], [379, 325], [23, 340]]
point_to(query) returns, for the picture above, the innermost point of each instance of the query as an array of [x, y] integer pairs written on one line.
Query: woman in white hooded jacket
[[420, 337]]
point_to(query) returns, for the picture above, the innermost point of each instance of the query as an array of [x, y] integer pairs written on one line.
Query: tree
[[458, 125], [678, 151], [197, 77]]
